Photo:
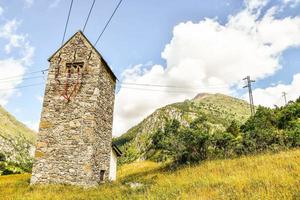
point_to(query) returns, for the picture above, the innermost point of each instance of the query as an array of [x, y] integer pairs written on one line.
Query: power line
[[108, 22], [172, 86], [189, 90], [87, 19], [122, 84], [24, 75], [165, 91], [25, 86], [26, 78], [249, 81], [67, 22]]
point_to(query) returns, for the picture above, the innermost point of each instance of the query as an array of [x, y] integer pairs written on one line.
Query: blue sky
[[150, 41]]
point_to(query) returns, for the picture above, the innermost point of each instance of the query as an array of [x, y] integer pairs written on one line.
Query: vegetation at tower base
[[197, 132], [16, 145]]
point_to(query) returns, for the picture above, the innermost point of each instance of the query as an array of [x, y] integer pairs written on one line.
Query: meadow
[[267, 176]]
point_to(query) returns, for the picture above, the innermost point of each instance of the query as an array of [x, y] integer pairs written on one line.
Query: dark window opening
[[102, 172], [69, 73], [75, 65]]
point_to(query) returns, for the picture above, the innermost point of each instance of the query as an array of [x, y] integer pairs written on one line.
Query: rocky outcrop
[[16, 140], [17, 149]]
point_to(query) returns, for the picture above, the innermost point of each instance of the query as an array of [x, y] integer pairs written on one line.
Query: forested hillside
[[211, 127], [218, 109]]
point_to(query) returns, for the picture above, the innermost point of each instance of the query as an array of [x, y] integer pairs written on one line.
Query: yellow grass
[[270, 176]]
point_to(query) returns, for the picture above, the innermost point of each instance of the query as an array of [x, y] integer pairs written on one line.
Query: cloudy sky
[[190, 46]]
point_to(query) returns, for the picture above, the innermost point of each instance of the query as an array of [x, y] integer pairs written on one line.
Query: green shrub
[[2, 166], [2, 157], [233, 128], [12, 170]]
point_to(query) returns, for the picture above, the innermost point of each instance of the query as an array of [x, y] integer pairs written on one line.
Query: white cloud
[[28, 3], [255, 4], [40, 98], [19, 55], [9, 68], [1, 10], [209, 55], [292, 3], [17, 110], [34, 125], [16, 41], [271, 96], [54, 3]]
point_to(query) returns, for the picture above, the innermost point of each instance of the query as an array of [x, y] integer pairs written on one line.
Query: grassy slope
[[10, 126], [270, 176]]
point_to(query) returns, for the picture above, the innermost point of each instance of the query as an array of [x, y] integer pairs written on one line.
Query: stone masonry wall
[[74, 139]]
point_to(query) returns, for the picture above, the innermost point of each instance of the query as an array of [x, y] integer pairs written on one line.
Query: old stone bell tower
[[74, 144]]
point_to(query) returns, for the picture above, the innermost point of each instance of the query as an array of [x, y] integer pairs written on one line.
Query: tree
[[233, 128], [287, 115], [194, 143], [259, 130]]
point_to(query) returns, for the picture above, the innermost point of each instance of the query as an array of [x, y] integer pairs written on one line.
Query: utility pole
[[284, 96], [249, 81]]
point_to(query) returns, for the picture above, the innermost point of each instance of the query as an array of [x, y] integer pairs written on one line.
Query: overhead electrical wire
[[18, 79], [164, 91], [88, 17], [123, 87], [127, 85], [24, 75], [171, 86], [24, 86], [141, 88], [107, 23], [64, 34], [67, 22]]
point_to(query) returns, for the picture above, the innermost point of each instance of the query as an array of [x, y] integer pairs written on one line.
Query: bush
[[222, 143], [2, 166], [193, 145], [293, 138], [2, 157], [12, 170], [233, 128], [7, 172]]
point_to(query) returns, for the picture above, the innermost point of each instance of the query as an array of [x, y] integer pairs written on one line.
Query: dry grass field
[[268, 176]]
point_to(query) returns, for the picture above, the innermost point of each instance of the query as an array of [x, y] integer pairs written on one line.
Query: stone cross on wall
[[74, 144]]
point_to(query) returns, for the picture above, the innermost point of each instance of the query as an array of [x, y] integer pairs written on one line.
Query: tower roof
[[95, 50]]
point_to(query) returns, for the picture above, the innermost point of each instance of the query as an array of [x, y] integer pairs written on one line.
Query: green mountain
[[220, 110], [16, 140]]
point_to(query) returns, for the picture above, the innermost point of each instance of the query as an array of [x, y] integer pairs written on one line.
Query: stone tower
[[74, 142]]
